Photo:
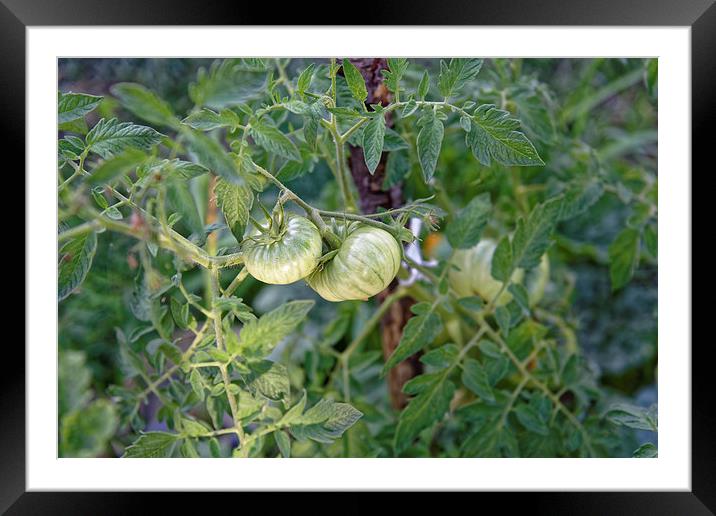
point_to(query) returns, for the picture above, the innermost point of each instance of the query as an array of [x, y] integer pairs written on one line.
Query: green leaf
[[623, 257], [441, 357], [228, 82], [396, 168], [646, 450], [207, 120], [325, 421], [634, 416], [393, 141], [212, 155], [580, 197], [235, 203], [355, 81], [258, 338], [455, 74], [475, 378], [373, 137], [74, 381], [519, 293], [430, 139], [86, 432], [312, 121], [283, 441], [78, 126], [145, 104], [532, 237], [494, 134], [531, 419], [182, 201], [193, 428], [651, 76], [183, 169], [115, 166], [651, 240], [420, 331], [465, 230], [270, 379], [71, 106], [110, 137], [504, 319], [501, 268], [304, 79], [423, 86], [197, 383], [152, 445], [172, 352], [535, 116], [274, 141], [180, 313], [76, 257], [70, 148], [425, 409], [395, 72]]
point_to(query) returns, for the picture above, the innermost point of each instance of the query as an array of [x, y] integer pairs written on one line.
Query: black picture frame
[[700, 15]]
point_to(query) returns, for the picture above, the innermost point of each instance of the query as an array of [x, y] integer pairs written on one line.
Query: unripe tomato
[[475, 276], [365, 264], [284, 254]]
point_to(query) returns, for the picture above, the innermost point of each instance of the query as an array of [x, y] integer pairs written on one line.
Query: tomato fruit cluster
[[365, 263]]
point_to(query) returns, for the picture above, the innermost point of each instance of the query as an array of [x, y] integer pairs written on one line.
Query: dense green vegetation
[[522, 321]]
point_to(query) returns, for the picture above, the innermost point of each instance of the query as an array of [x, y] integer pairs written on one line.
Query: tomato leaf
[[258, 338], [430, 139], [274, 141], [75, 262], [475, 378], [355, 81], [235, 203], [110, 136], [73, 106], [455, 74], [418, 333], [269, 379], [465, 230], [425, 409], [373, 137], [494, 134], [152, 445], [325, 421], [623, 257], [145, 104]]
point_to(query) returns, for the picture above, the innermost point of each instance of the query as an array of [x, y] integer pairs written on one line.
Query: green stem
[[169, 372], [367, 329], [541, 386], [240, 277]]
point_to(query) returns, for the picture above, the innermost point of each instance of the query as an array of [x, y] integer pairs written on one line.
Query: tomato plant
[[362, 258]]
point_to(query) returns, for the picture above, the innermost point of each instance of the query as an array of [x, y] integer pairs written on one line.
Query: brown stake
[[372, 197]]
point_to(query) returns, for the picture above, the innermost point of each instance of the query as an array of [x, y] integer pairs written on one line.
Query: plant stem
[[368, 327], [541, 386], [240, 277], [169, 372], [342, 172]]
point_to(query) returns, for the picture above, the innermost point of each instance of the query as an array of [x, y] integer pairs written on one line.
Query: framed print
[[441, 254]]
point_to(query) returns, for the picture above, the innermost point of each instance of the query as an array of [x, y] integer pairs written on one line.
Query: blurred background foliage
[[586, 117]]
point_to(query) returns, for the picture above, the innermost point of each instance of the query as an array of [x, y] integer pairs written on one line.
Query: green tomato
[[475, 275], [284, 255], [365, 264]]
